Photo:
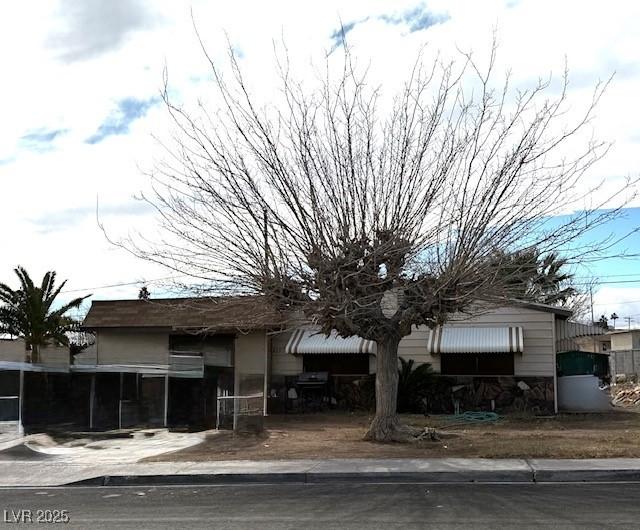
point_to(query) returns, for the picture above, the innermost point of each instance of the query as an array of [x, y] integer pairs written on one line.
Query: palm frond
[[27, 311]]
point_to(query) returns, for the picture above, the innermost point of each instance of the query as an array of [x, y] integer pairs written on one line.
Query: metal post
[[92, 395], [554, 358], [217, 407], [166, 398], [120, 403], [235, 413], [20, 427], [265, 391]]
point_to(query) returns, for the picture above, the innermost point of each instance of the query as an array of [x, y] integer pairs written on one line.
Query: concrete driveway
[[98, 449]]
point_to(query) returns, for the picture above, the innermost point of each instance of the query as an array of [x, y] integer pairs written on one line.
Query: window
[[186, 344], [337, 364], [477, 364]]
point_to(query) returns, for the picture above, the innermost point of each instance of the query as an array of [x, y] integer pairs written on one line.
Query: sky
[[82, 116]]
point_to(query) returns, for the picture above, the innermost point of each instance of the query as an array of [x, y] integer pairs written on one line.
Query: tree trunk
[[386, 426], [35, 353]]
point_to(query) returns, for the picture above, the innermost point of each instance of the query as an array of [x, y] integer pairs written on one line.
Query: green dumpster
[[582, 363]]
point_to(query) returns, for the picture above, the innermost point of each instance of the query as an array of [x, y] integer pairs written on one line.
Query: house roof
[[559, 311], [209, 313], [214, 314], [621, 331]]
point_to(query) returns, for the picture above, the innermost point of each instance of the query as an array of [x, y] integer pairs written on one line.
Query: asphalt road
[[327, 506]]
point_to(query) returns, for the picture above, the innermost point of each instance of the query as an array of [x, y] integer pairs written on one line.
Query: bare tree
[[370, 218]]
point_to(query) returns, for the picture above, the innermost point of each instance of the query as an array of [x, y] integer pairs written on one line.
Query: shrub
[[415, 383]]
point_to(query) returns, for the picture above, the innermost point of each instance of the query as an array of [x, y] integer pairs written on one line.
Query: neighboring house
[[165, 362], [625, 353], [33, 393], [583, 349], [574, 336]]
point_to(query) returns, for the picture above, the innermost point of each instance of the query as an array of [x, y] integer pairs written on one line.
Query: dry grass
[[614, 434]]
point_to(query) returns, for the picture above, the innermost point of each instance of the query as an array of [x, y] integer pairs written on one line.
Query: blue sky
[[83, 107]]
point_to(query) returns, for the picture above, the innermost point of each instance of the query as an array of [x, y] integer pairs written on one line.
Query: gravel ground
[[604, 435]]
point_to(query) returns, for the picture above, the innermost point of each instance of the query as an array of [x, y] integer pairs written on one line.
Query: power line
[[605, 276], [607, 283], [617, 303], [138, 282], [125, 284]]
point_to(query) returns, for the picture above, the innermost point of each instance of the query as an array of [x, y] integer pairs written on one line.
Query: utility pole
[[628, 319], [593, 321]]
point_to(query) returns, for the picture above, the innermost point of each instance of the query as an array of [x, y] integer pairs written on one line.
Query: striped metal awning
[[310, 341], [454, 339]]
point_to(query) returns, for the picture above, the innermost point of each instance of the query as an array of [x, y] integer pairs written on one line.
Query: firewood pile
[[626, 395]]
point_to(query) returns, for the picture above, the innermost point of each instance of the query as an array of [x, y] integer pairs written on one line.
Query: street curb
[[587, 475], [420, 476], [195, 479], [508, 476]]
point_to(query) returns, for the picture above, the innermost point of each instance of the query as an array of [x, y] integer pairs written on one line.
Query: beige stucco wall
[[594, 344], [281, 362], [249, 360], [120, 346], [12, 350], [538, 358], [55, 355], [622, 341]]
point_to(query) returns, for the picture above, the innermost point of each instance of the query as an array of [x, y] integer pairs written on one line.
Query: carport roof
[[211, 314]]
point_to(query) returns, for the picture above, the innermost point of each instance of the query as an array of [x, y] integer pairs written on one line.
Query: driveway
[[98, 448]]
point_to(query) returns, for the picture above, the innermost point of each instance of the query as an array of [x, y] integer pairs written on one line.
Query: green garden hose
[[474, 417]]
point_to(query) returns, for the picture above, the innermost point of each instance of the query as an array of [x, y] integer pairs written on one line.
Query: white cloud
[[77, 60], [624, 301]]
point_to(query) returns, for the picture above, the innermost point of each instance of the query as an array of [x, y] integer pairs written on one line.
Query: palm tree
[[27, 312], [413, 384]]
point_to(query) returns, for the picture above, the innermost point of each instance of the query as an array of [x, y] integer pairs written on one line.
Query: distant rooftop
[[213, 314]]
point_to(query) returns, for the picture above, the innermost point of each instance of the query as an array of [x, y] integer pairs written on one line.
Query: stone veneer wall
[[529, 394], [533, 395]]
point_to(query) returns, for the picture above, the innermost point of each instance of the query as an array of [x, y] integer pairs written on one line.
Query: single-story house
[[170, 361]]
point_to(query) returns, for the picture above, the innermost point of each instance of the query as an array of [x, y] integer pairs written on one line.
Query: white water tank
[[582, 393]]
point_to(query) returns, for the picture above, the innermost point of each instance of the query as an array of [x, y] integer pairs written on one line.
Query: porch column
[[166, 399], [20, 398]]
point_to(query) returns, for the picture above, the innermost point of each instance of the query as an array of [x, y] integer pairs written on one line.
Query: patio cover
[[311, 341], [454, 339]]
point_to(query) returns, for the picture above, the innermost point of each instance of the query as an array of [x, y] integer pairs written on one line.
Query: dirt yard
[[614, 434]]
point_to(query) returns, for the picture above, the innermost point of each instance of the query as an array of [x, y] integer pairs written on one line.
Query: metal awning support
[[173, 370], [306, 341], [30, 367], [464, 339]]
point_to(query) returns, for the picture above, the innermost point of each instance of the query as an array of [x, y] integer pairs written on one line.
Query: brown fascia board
[[558, 311]]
